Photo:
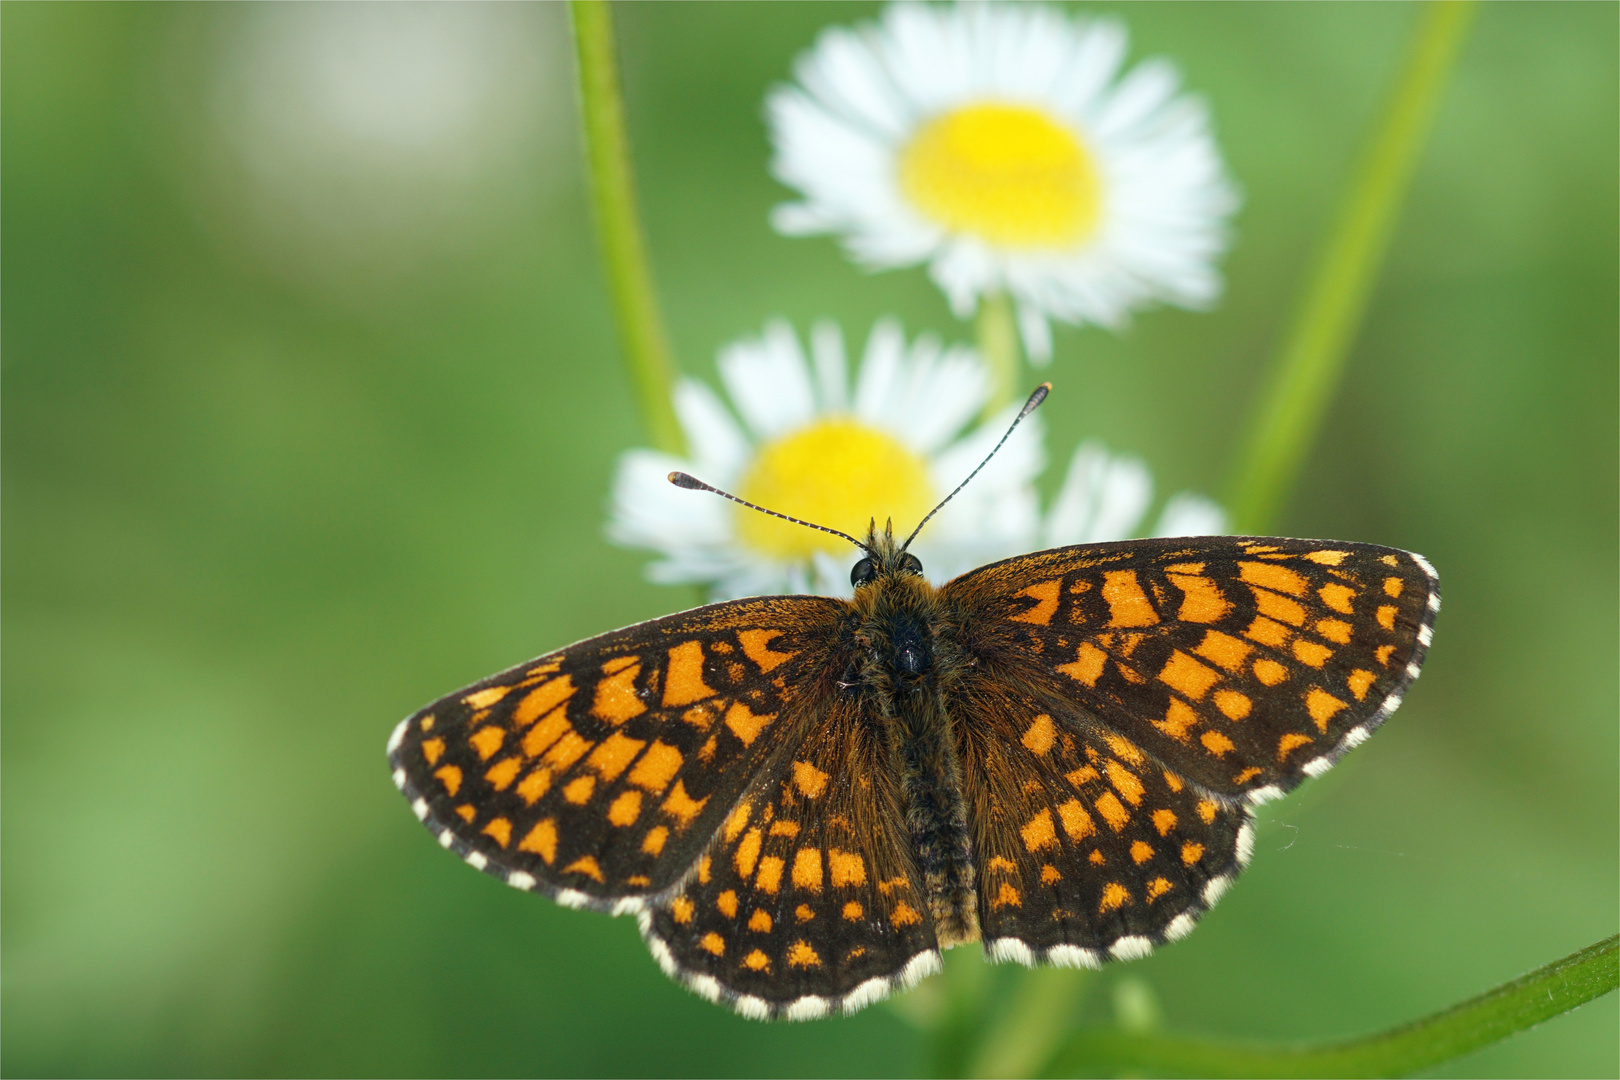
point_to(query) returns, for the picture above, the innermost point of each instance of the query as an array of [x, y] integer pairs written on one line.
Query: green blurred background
[[311, 401]]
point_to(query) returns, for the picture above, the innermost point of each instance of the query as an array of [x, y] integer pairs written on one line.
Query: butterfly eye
[[910, 564], [862, 573]]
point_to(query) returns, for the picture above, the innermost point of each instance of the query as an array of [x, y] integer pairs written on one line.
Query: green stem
[[1031, 1024], [618, 228], [998, 343], [1488, 1018], [1311, 360]]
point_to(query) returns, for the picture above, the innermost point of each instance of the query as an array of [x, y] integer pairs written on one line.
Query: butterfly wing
[[1126, 704], [598, 773], [806, 901]]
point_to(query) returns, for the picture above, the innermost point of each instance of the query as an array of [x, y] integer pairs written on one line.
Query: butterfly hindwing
[[806, 901], [1243, 664], [597, 773]]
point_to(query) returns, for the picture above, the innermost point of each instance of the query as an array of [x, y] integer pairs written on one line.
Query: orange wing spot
[[1038, 832], [503, 772], [466, 812], [1081, 776], [903, 915], [1270, 672], [1359, 681], [616, 699], [1322, 705], [542, 699], [1096, 857], [578, 791], [1185, 568], [1007, 896], [1201, 601], [1088, 664], [565, 751], [1191, 852], [625, 809], [803, 914], [699, 716], [1115, 814], [1386, 616], [1291, 742], [703, 869], [886, 887], [747, 854], [640, 881], [1127, 604], [745, 723], [450, 777], [1327, 558], [853, 911], [1125, 782], [1233, 704], [1392, 587], [1223, 650], [810, 780], [800, 954], [1164, 821], [1177, 720], [998, 864], [789, 829], [757, 961], [542, 735], [846, 867], [1382, 654], [1216, 743], [1206, 811], [499, 830], [1046, 593], [536, 784], [1279, 607], [683, 681], [1141, 852], [1040, 735], [760, 921], [1076, 823], [682, 910], [1124, 749], [770, 875], [1312, 653], [1173, 780], [807, 869], [1187, 676], [585, 864], [427, 723], [1247, 774], [756, 645], [547, 668], [432, 750], [1335, 630], [613, 754], [1272, 576], [1157, 888], [653, 842], [714, 943], [736, 820], [1338, 597], [726, 903], [1389, 560], [483, 699], [1267, 632], [1114, 896], [656, 767]]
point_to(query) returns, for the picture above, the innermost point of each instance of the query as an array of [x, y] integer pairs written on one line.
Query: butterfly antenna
[[692, 483], [1030, 406]]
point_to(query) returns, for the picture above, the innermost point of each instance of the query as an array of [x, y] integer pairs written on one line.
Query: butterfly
[[804, 799]]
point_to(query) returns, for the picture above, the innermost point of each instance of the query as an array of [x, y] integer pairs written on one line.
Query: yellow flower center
[[1009, 173], [839, 473]]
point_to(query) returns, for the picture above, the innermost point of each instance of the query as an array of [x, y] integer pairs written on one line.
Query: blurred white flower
[[1104, 498], [1000, 145], [813, 446]]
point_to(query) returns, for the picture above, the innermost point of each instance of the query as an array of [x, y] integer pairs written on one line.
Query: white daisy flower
[[995, 143], [812, 445], [1104, 498]]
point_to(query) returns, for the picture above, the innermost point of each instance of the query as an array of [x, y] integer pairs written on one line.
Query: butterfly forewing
[[807, 900], [1243, 664], [599, 772]]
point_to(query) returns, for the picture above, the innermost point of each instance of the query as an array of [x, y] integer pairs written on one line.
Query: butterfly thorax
[[908, 661]]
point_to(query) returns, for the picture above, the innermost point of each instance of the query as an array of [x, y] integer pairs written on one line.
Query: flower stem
[[998, 344], [618, 228], [1478, 1022], [1308, 366]]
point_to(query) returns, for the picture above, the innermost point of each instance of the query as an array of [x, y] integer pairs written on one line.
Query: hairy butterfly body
[[804, 799]]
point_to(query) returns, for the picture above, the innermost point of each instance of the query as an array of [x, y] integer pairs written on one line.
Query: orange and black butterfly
[[804, 799]]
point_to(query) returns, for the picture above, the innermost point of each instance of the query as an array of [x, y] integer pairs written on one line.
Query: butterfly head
[[884, 557]]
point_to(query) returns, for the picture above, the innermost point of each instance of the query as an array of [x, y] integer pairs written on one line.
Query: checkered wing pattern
[[598, 774], [1240, 664], [807, 901]]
